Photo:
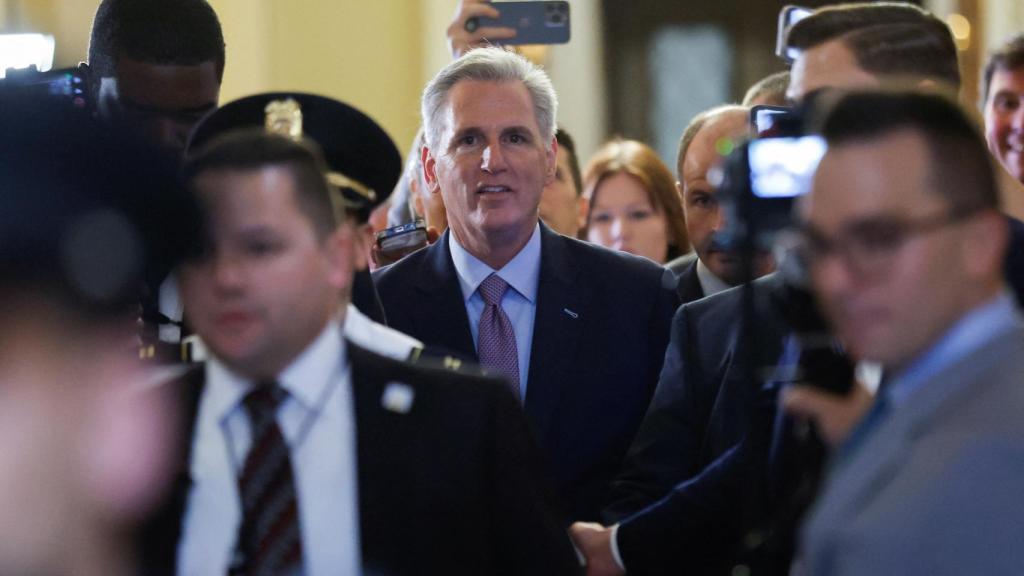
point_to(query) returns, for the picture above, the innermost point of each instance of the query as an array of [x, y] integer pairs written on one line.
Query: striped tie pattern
[[269, 541], [496, 341]]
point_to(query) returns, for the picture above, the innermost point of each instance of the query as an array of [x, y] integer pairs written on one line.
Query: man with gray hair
[[578, 331]]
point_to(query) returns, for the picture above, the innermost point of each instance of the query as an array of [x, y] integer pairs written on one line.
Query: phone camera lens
[[472, 24]]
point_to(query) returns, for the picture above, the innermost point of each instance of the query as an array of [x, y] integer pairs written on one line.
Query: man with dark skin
[[156, 66]]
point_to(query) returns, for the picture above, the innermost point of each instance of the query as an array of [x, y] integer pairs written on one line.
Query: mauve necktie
[[496, 341], [269, 540]]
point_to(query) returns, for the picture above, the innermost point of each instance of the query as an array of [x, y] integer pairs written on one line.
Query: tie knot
[[492, 289], [262, 401]]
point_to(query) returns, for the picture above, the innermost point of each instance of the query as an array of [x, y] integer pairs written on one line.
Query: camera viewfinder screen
[[783, 167]]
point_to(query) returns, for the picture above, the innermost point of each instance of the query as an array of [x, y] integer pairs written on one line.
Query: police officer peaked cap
[[362, 160]]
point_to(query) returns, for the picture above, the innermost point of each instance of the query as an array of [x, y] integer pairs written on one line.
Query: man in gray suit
[[906, 245]]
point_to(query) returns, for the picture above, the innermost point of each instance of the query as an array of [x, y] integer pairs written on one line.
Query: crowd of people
[[248, 339]]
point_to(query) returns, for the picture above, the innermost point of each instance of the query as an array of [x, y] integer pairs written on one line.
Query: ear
[[429, 170], [552, 157]]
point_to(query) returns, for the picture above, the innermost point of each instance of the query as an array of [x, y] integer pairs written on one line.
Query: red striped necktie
[[270, 538]]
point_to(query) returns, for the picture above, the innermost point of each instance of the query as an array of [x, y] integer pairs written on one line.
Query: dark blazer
[[454, 486], [1013, 268], [679, 497], [688, 287], [699, 410], [599, 337]]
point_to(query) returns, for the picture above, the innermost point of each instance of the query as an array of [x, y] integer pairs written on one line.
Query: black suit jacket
[[689, 288], [599, 337], [1013, 268], [680, 494], [454, 486]]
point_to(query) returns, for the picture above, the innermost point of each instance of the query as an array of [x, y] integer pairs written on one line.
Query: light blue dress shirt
[[520, 301], [317, 420], [982, 325]]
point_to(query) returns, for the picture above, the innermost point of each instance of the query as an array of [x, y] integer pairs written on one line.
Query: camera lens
[[472, 24]]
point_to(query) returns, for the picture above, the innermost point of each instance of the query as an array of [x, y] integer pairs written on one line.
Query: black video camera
[[69, 84], [761, 182]]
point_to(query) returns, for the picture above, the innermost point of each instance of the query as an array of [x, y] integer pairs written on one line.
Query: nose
[[1017, 120], [493, 159], [170, 134], [831, 274], [718, 220], [620, 230], [226, 272]]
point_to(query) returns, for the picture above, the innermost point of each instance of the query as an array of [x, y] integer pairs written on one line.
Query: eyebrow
[[133, 105], [478, 131], [1005, 92]]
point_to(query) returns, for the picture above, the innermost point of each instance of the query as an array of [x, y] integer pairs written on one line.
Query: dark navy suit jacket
[[599, 337], [685, 269]]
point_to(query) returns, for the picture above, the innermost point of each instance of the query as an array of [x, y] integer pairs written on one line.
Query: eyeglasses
[[868, 246]]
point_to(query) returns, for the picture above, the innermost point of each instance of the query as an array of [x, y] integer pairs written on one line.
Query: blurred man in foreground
[[84, 450], [906, 245]]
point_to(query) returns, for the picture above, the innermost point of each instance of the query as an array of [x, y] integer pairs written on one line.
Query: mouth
[[722, 255], [234, 320], [493, 189]]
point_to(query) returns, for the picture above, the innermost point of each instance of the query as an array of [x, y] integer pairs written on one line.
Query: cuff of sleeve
[[615, 548]]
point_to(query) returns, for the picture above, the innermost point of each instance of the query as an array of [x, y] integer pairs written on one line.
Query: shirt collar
[[304, 379], [521, 272], [975, 329], [709, 283]]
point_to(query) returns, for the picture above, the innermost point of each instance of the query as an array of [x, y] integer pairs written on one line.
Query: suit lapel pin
[[571, 314], [398, 398]]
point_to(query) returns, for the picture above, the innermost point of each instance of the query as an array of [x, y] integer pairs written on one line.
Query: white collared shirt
[[520, 302], [317, 420], [709, 283]]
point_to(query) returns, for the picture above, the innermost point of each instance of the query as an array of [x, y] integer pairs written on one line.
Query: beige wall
[[363, 53], [68, 20], [1003, 18]]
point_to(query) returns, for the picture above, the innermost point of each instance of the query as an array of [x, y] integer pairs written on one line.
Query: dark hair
[[185, 32], [885, 39], [254, 148], [772, 88], [961, 167], [925, 50], [1009, 56], [831, 22], [566, 143], [642, 163]]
